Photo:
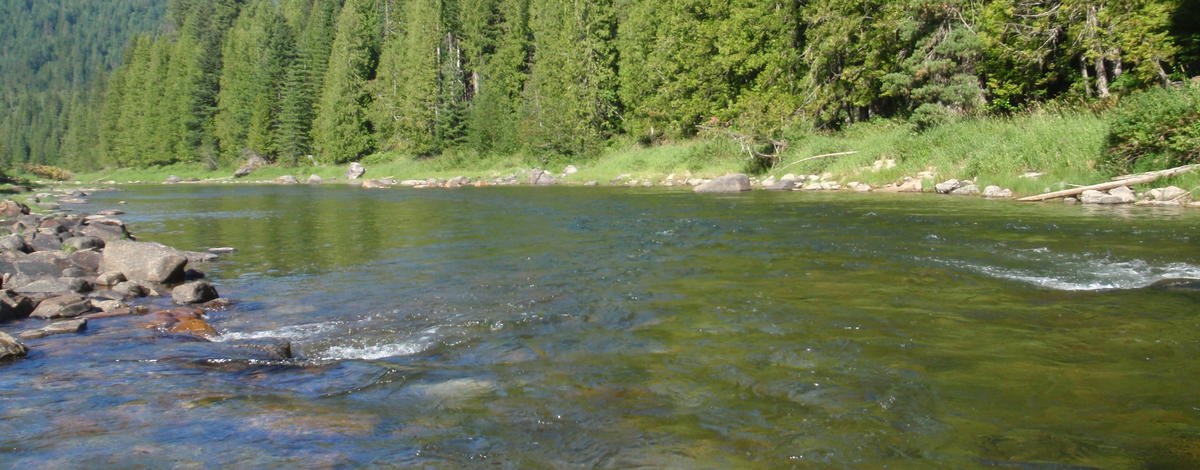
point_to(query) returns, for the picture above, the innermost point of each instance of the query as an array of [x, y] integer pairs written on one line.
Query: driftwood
[[750, 143], [814, 157], [1126, 180]]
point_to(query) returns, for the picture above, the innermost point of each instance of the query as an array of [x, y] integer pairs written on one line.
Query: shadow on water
[[570, 327]]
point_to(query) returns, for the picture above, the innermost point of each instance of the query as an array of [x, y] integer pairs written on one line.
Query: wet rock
[[996, 192], [947, 186], [14, 306], [314, 179], [45, 287], [14, 244], [221, 250], [268, 349], [108, 305], [194, 293], [143, 261], [287, 179], [11, 208], [194, 327], [110, 278], [457, 182], [540, 177], [196, 257], [106, 229], [56, 328], [63, 306], [731, 183], [73, 271], [966, 190], [172, 180], [1177, 285], [110, 212], [355, 171], [216, 305], [10, 348]]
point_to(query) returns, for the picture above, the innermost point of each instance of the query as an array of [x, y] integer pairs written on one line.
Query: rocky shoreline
[[63, 270], [923, 182]]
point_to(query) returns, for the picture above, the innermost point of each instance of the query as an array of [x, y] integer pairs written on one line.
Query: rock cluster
[[65, 269]]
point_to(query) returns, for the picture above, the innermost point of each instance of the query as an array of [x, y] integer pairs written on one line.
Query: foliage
[[47, 171], [1155, 129]]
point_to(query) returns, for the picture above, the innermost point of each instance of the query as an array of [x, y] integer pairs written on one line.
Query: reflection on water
[[572, 327]]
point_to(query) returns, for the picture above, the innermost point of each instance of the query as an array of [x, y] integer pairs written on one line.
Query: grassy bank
[[1063, 146]]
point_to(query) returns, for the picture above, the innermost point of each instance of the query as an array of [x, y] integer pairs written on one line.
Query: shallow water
[[621, 328]]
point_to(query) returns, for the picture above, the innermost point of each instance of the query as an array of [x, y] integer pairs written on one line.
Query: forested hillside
[[285, 79], [51, 54]]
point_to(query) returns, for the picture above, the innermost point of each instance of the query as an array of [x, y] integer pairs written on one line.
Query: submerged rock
[[1177, 285], [56, 328], [731, 183]]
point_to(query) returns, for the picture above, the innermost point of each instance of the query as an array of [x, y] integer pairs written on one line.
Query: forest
[[332, 81]]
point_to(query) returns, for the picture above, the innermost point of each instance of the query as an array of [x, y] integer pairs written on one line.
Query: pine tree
[[304, 78], [342, 131], [499, 80]]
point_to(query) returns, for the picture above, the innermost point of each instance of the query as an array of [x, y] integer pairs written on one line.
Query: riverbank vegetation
[[441, 87]]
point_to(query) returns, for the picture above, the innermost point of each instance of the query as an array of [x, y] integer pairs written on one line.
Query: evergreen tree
[[342, 130], [304, 78], [499, 78]]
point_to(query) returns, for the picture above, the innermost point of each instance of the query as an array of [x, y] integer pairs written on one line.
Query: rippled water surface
[[620, 328]]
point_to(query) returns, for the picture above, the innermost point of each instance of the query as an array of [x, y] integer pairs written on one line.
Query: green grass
[[1063, 146]]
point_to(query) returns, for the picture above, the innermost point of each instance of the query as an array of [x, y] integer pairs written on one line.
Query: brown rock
[[194, 327], [143, 261], [56, 328], [11, 208], [63, 306]]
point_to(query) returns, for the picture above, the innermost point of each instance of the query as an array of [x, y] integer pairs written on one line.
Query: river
[[622, 328]]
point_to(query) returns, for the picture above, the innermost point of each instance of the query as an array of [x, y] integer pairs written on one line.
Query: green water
[[619, 328]]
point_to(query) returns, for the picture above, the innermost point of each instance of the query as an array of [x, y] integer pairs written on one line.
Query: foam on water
[[370, 352], [292, 332], [1081, 272]]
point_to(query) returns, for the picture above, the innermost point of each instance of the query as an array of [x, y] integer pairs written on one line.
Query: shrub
[[47, 171], [1157, 128]]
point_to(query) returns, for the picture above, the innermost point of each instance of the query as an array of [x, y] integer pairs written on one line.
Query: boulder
[[14, 244], [355, 171], [83, 243], [253, 163], [56, 328], [540, 177], [1120, 195], [287, 179], [592, 183], [313, 179], [172, 180], [106, 229], [996, 192], [44, 287], [74, 271], [63, 306], [88, 260], [11, 208], [194, 293], [1124, 194], [784, 184], [14, 306], [570, 170], [45, 242], [947, 186], [966, 190], [1168, 194], [376, 184], [1091, 196], [131, 289], [109, 305], [457, 182], [10, 348], [731, 183], [143, 261]]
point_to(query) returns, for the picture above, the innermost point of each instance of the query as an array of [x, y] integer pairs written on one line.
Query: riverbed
[[528, 327]]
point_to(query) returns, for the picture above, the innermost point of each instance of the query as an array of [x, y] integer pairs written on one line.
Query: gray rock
[[110, 278], [1091, 196], [88, 260], [14, 306], [143, 261], [355, 171], [45, 286], [287, 179], [73, 271], [106, 229], [968, 190], [109, 305], [947, 186], [996, 192], [1124, 194], [11, 208], [784, 184], [56, 328], [376, 184], [314, 179], [83, 243], [10, 348], [592, 183], [172, 180], [570, 170], [14, 244], [63, 306], [731, 183], [131, 289], [196, 257], [194, 293], [1168, 194], [540, 177], [45, 242], [457, 182]]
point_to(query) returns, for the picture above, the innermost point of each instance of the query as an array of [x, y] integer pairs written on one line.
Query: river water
[[625, 328]]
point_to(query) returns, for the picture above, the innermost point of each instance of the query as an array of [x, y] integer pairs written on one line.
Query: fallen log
[[1172, 171], [1129, 181]]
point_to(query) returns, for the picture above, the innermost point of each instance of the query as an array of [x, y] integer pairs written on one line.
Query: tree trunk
[[1083, 71]]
